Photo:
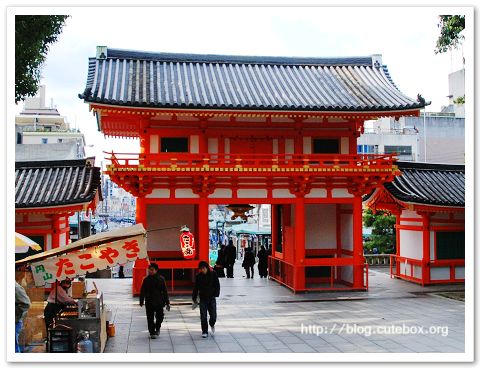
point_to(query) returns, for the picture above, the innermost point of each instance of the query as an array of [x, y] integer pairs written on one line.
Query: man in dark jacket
[[155, 295], [207, 287], [230, 257], [262, 262], [249, 262], [220, 263]]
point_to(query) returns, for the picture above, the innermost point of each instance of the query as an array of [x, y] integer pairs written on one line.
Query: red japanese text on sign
[[187, 242], [64, 263], [109, 254], [131, 247], [87, 266]]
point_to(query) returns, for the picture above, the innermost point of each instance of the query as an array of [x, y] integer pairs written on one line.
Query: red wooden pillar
[[426, 249], [221, 145], [397, 241], [56, 231], [202, 138], [299, 273], [203, 238], [358, 258], [338, 225], [352, 144], [274, 229], [140, 266], [298, 145], [141, 211], [67, 229]]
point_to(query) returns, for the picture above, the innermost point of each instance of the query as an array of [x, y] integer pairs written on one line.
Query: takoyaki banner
[[95, 258]]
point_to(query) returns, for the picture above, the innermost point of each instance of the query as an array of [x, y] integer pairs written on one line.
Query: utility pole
[[424, 135]]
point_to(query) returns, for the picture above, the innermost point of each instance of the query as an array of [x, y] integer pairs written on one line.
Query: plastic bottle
[[84, 345]]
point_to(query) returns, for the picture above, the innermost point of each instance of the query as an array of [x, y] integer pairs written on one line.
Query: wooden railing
[[395, 262], [284, 272], [426, 266], [131, 160]]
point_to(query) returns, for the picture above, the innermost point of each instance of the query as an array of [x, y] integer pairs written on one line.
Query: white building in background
[[436, 137], [116, 201], [41, 133], [456, 91], [388, 136], [265, 215]]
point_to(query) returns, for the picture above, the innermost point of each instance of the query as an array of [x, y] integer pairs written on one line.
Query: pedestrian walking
[[22, 305], [249, 262], [121, 273], [262, 262], [155, 296], [230, 257], [207, 289], [220, 263]]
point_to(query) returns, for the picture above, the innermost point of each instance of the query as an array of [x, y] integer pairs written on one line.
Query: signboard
[[187, 242], [89, 260]]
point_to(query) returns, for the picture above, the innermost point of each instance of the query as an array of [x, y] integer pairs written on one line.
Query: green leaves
[[450, 28], [33, 36], [459, 100], [383, 231]]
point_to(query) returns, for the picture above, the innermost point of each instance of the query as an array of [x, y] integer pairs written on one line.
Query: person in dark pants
[[220, 263], [207, 287], [230, 257], [121, 273], [155, 295], [57, 300], [249, 262], [262, 262]]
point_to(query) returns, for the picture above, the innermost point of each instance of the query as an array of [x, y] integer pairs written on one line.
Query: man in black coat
[[230, 257], [220, 263], [262, 262], [207, 288], [155, 295], [249, 262]]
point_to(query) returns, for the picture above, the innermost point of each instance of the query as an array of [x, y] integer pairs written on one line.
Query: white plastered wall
[[161, 216], [411, 244], [154, 145], [194, 145], [320, 226], [212, 145], [344, 145]]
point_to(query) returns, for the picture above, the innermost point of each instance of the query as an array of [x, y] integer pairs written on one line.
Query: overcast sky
[[404, 36]]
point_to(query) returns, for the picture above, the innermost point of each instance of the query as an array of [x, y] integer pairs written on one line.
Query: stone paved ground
[[260, 316]]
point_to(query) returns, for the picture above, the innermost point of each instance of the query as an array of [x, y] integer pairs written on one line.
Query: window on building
[[48, 128], [19, 138], [174, 144], [60, 140], [321, 145], [367, 148], [450, 244], [44, 140], [400, 150]]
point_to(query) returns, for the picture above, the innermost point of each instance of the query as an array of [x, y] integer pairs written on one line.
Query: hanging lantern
[[187, 243], [240, 210]]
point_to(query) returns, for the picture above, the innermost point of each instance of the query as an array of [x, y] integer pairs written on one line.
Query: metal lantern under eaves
[[240, 210]]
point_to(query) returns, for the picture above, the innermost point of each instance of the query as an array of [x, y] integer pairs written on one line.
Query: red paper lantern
[[187, 242]]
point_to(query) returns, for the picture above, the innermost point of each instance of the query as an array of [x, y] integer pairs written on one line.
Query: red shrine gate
[[238, 130]]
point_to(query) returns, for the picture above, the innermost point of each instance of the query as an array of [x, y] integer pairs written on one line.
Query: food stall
[[90, 314]]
